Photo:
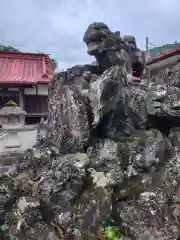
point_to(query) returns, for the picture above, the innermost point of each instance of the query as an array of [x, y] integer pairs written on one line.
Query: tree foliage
[[4, 48], [156, 51]]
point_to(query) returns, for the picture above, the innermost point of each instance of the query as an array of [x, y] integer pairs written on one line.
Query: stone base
[[12, 141]]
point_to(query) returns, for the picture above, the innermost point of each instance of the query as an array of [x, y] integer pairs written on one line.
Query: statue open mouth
[[109, 49], [92, 48], [95, 38]]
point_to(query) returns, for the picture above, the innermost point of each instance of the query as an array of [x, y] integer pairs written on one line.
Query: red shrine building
[[24, 78], [165, 60]]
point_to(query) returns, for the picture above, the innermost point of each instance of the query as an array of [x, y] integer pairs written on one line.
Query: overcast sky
[[56, 27]]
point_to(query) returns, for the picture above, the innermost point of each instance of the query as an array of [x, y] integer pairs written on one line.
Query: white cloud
[[57, 26]]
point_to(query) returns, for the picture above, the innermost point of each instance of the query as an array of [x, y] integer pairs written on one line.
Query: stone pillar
[[21, 101], [12, 140], [21, 105]]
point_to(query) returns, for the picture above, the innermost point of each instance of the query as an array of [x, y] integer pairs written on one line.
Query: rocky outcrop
[[110, 48], [106, 162], [169, 76]]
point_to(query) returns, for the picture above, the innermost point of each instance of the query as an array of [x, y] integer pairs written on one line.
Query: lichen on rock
[[108, 152]]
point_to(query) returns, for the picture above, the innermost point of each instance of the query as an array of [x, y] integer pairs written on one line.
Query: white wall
[[30, 91], [27, 139], [42, 89]]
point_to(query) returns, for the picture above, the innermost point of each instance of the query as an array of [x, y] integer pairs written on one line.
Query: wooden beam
[[8, 94]]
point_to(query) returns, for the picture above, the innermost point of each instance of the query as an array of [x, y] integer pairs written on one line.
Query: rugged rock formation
[[169, 77], [107, 165]]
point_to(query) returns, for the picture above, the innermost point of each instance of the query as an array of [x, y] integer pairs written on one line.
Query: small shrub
[[110, 233], [113, 233]]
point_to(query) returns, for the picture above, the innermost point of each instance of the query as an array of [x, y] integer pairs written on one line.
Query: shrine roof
[[25, 68]]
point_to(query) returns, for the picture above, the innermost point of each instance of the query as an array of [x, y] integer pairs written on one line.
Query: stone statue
[[107, 47], [136, 55]]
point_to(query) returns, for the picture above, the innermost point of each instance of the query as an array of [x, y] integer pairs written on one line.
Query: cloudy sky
[[56, 27]]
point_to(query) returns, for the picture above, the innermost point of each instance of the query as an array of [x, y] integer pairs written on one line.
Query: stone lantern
[[13, 119], [12, 114]]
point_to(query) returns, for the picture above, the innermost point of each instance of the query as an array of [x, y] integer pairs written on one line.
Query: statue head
[[105, 45], [130, 40], [136, 55], [96, 37]]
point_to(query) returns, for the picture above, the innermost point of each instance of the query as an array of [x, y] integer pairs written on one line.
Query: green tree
[[156, 51], [4, 48]]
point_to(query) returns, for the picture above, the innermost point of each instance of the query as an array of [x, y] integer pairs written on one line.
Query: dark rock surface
[[107, 159]]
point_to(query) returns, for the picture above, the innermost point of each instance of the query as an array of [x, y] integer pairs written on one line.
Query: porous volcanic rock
[[107, 158]]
